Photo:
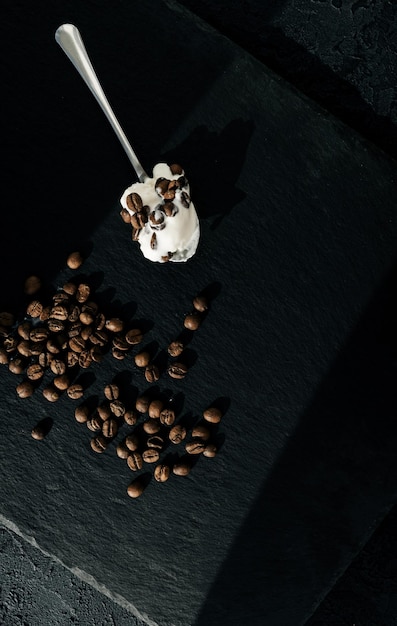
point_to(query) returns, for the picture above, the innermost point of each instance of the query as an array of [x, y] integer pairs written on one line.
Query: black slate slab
[[297, 253]]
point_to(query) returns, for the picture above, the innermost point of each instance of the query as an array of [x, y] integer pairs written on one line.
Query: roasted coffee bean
[[192, 321], [111, 391], [4, 332], [77, 344], [86, 332], [161, 185], [134, 202], [161, 473], [81, 413], [138, 220], [185, 199], [53, 346], [75, 391], [181, 182], [175, 348], [69, 288], [134, 336], [59, 312], [151, 426], [96, 354], [3, 356], [210, 450], [118, 354], [82, 293], [120, 343], [130, 417], [156, 220], [45, 359], [114, 324], [135, 232], [125, 216], [51, 394], [132, 442], [167, 417], [72, 358], [155, 441], [142, 359], [23, 347], [213, 415], [201, 432], [91, 306], [39, 432], [61, 298], [122, 451], [45, 314], [37, 348], [17, 366], [142, 403], [55, 326], [177, 370], [24, 329], [100, 321], [61, 382], [86, 318], [177, 434], [6, 319], [104, 411], [152, 373], [74, 316], [58, 367], [155, 408], [35, 371], [99, 444], [200, 303], [75, 329], [169, 209], [74, 260], [99, 338], [95, 424], [85, 359], [32, 285], [117, 408], [176, 169], [195, 447], [109, 428], [25, 389], [134, 461], [182, 468], [151, 455], [136, 488], [10, 344], [34, 308]]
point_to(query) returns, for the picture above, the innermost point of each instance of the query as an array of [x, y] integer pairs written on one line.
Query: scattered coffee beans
[[213, 415], [74, 260], [136, 488]]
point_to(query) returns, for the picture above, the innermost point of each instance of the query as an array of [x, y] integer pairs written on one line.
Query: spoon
[[69, 38]]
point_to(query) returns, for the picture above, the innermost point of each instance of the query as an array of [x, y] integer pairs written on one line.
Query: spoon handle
[[69, 38]]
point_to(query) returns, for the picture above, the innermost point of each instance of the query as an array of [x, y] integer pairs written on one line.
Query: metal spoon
[[69, 38]]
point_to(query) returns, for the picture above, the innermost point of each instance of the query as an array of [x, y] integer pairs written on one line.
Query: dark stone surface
[[298, 250]]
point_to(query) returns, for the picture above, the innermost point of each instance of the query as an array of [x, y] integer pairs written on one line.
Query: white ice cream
[[171, 230]]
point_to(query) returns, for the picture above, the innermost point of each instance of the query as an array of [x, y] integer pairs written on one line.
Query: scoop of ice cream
[[163, 218]]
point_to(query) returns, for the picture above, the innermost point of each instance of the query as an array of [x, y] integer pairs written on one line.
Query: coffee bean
[[86, 332], [81, 413], [69, 288], [152, 373], [32, 285], [74, 317], [181, 468], [104, 411], [161, 473], [85, 359], [169, 209], [86, 318], [3, 356], [122, 451], [24, 329], [151, 426], [117, 408], [153, 241], [100, 321], [51, 394], [99, 444], [17, 365], [130, 417], [96, 354], [177, 434], [61, 382], [99, 338], [200, 303], [192, 321], [114, 324], [167, 417], [10, 343], [176, 169], [55, 326], [210, 450], [175, 348], [151, 455], [111, 392], [134, 461], [77, 344], [136, 488], [132, 442], [134, 336], [75, 391], [37, 348], [60, 298], [35, 371], [185, 199], [120, 343], [201, 432], [74, 260], [25, 389], [72, 358], [82, 293], [142, 403], [134, 202], [59, 312], [109, 428], [58, 367], [45, 314], [34, 308], [118, 354], [155, 408], [74, 330], [38, 432], [125, 216], [23, 347], [213, 415], [155, 441], [195, 447], [95, 424], [177, 370], [142, 359]]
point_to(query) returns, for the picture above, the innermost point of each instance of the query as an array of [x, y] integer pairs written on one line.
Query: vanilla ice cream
[[163, 218]]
